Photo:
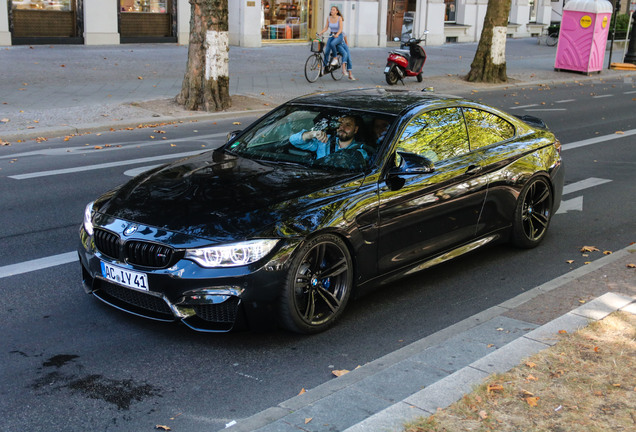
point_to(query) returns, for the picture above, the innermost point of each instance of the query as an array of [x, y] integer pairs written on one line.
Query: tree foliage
[[206, 81]]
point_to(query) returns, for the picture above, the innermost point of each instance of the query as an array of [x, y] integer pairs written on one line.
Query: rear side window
[[436, 135], [485, 128]]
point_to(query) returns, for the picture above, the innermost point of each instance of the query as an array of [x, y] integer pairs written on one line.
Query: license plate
[[387, 69], [125, 277]]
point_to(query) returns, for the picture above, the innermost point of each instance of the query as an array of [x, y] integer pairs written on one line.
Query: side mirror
[[233, 134], [396, 39], [412, 163]]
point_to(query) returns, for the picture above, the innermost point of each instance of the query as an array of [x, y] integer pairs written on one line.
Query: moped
[[402, 63]]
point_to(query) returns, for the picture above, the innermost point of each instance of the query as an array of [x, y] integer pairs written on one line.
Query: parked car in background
[[282, 226]]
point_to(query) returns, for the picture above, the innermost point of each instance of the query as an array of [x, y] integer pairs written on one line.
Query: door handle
[[473, 169]]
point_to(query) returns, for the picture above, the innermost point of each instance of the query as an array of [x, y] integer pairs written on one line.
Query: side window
[[485, 128], [436, 135]]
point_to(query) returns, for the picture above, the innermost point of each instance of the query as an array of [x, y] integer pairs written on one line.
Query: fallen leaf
[[589, 249], [530, 364], [607, 252], [5, 120], [569, 261], [630, 265], [563, 331], [495, 388], [236, 123], [532, 378], [162, 427], [140, 77], [596, 349], [616, 385], [340, 372], [483, 415], [620, 132], [490, 345], [532, 401], [307, 420], [302, 390]]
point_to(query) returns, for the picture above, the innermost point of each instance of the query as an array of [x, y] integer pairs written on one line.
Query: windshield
[[324, 138]]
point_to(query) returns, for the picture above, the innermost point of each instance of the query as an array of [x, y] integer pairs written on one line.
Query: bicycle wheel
[[338, 73], [552, 39], [313, 66]]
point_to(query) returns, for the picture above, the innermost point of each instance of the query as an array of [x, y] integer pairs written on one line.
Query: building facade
[[252, 23]]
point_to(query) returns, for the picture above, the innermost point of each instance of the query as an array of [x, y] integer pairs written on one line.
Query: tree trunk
[[206, 82], [489, 63]]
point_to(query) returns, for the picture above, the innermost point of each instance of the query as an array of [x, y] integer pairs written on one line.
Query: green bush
[[621, 22]]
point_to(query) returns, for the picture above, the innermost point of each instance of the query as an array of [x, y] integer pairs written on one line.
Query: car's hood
[[219, 196]]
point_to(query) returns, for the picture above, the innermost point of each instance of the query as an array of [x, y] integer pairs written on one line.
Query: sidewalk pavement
[[439, 369], [52, 91], [48, 91]]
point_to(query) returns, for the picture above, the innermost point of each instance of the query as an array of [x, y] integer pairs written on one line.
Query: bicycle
[[314, 63], [550, 36]]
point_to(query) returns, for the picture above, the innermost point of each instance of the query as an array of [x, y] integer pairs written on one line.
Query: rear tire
[[338, 74], [313, 66], [392, 77], [532, 214], [552, 39], [420, 78]]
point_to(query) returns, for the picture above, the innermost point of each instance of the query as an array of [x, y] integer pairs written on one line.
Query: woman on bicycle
[[334, 25]]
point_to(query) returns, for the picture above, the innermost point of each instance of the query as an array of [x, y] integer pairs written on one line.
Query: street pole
[[630, 57], [617, 8]]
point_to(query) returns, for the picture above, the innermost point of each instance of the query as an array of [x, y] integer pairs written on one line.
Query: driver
[[323, 145]]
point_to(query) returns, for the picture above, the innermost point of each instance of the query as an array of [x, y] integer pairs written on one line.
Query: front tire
[[392, 76], [532, 214], [318, 285], [552, 39], [313, 66]]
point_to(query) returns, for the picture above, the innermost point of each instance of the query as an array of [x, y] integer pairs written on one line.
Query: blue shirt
[[322, 149]]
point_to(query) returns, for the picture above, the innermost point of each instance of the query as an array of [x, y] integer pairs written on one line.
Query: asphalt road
[[70, 363]]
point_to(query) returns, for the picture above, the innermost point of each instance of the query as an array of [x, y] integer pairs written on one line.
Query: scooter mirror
[[396, 39]]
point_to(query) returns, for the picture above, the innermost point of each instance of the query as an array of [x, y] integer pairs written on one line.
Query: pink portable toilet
[[583, 35]]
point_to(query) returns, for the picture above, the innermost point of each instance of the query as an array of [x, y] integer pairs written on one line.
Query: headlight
[[88, 218], [231, 255]]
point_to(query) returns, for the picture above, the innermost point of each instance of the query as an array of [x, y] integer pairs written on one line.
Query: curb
[[452, 388], [447, 390]]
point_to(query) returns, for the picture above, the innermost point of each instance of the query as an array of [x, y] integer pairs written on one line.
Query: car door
[[435, 211], [492, 138]]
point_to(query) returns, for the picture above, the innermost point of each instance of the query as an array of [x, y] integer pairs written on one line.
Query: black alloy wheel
[[318, 285], [532, 214]]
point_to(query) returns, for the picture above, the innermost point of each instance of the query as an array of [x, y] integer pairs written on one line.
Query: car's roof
[[381, 100]]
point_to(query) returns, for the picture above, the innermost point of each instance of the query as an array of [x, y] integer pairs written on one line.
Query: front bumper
[[208, 300]]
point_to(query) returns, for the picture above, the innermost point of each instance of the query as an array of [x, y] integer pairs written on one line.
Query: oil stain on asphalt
[[121, 393]]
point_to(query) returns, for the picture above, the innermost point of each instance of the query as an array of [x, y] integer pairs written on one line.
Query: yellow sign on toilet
[[586, 21]]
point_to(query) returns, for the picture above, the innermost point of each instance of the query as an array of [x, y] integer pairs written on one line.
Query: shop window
[[44, 5], [451, 10], [147, 6], [284, 19]]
